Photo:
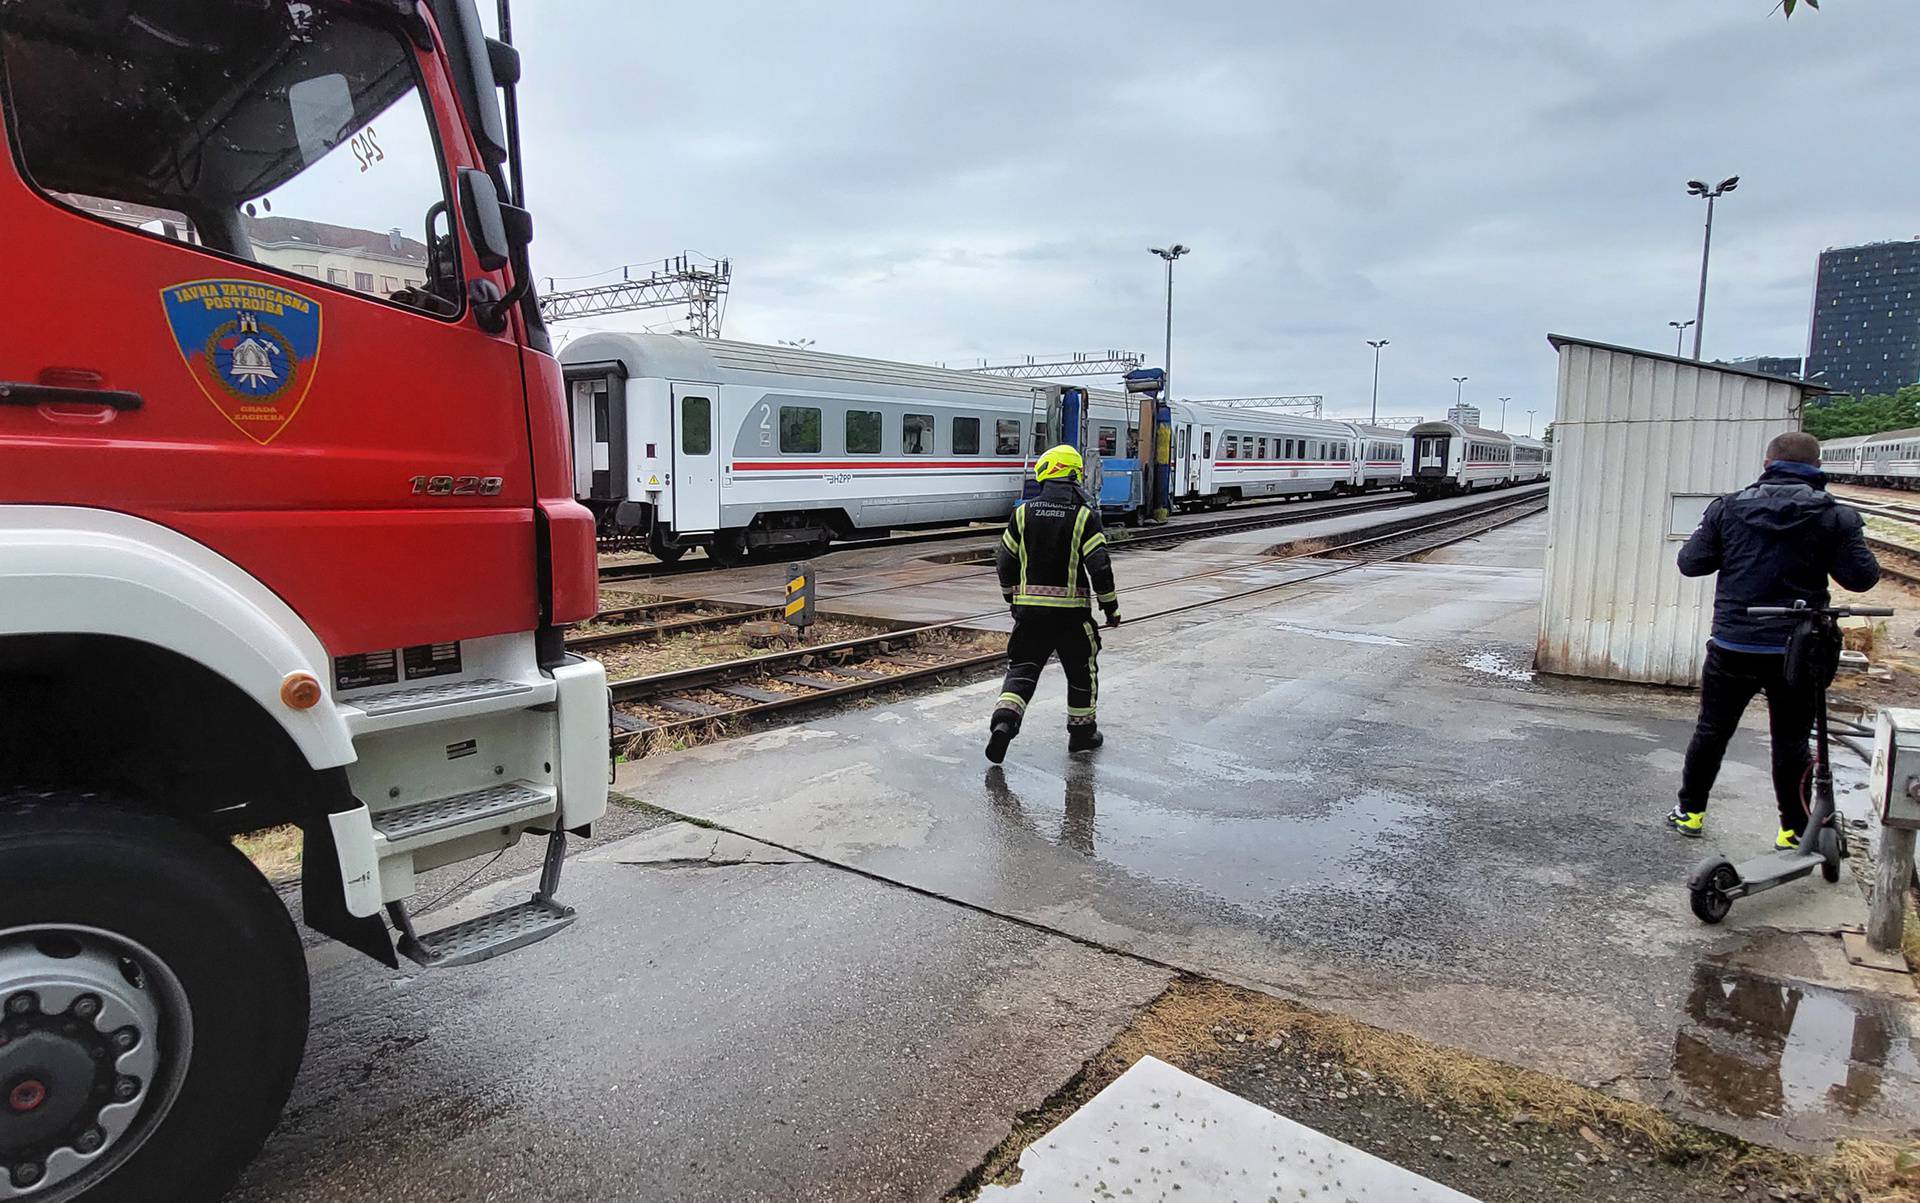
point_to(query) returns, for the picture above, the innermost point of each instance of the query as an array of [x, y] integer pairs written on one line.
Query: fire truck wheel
[[153, 1004]]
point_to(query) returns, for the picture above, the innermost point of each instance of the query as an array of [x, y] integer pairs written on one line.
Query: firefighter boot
[[1084, 737], [1006, 725]]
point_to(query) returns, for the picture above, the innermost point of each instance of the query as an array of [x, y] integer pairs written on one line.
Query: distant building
[[1865, 338], [1464, 415], [363, 260], [1766, 365]]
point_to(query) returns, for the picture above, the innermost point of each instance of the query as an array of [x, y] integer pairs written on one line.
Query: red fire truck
[[287, 536]]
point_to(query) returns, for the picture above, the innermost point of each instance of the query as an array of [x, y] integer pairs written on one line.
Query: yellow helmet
[[1059, 461]]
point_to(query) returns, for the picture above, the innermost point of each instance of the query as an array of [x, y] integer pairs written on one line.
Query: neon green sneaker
[[1787, 840], [1690, 823]]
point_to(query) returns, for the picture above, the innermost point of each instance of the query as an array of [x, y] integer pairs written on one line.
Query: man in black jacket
[[1053, 564], [1773, 543]]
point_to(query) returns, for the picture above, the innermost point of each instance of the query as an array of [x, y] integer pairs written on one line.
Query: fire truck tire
[[140, 960]]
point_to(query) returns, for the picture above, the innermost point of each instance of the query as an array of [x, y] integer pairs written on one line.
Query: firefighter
[[1053, 565]]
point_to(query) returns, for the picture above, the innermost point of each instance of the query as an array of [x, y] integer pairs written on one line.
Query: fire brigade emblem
[[251, 347]]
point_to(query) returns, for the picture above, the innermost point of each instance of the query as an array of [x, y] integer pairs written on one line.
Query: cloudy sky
[[941, 182]]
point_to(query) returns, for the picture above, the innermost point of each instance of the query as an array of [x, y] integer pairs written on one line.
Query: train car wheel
[[729, 549], [666, 554]]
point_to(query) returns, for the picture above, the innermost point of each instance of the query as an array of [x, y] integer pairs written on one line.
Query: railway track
[[658, 709], [1247, 516], [1897, 560], [656, 619]]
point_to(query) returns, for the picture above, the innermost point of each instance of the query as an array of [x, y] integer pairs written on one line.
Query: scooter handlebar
[[1835, 611]]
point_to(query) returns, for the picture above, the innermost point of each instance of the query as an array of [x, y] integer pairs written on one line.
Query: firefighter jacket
[[1054, 554]]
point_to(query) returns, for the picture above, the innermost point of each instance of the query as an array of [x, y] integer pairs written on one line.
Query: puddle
[[1753, 1047], [1245, 850]]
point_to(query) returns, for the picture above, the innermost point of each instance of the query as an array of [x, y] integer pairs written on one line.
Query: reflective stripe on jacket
[[1054, 552]]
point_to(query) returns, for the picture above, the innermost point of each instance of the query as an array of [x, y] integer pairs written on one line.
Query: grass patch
[[1182, 1027], [275, 852]]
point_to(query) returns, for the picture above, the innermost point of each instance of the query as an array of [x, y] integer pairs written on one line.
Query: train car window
[[799, 430], [966, 436], [1006, 436], [863, 432], [1039, 437], [1230, 447], [1263, 449], [696, 426], [1109, 440], [1206, 443], [602, 420], [916, 434]]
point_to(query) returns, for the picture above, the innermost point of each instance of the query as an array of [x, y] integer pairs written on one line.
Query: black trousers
[[1729, 681], [1041, 632]]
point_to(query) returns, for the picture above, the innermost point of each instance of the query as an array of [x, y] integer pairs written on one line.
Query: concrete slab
[[746, 1031], [1352, 792], [1159, 1135]]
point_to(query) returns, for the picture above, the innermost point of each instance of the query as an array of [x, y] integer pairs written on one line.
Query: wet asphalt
[[763, 1030], [1355, 793], [1351, 793]]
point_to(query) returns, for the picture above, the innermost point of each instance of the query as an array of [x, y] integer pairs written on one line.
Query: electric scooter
[[1813, 655]]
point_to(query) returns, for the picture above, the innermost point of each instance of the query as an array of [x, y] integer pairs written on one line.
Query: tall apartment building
[[1464, 415], [1865, 336]]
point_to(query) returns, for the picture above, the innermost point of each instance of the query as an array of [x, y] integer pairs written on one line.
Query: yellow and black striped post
[[800, 595]]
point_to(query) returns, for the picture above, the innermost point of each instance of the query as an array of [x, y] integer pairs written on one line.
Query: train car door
[[1183, 464], [696, 457]]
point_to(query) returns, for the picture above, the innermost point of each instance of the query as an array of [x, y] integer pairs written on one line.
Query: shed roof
[[1562, 340]]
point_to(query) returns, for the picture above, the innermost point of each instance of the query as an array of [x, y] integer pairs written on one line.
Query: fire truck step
[[415, 697], [440, 819], [487, 936], [413, 705]]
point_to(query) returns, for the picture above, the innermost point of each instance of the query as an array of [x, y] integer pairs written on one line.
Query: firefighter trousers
[[1040, 633]]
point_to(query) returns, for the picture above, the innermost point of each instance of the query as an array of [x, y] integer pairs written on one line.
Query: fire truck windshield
[[287, 133]]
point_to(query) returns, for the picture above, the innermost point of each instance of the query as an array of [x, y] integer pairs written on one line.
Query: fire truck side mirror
[[505, 61], [486, 224]]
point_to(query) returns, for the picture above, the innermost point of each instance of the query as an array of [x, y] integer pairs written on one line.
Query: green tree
[[1844, 416]]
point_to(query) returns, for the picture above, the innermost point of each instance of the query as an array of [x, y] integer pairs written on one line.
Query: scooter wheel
[[1830, 853], [1711, 902]]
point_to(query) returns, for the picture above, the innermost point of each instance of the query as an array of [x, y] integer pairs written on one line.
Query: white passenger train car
[[1380, 457], [1449, 458], [1222, 455], [732, 446], [1840, 458], [1890, 459], [1530, 459]]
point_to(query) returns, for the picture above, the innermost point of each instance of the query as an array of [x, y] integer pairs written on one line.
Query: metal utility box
[[1894, 785], [1642, 443]]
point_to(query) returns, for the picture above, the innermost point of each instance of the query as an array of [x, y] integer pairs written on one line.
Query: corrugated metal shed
[[1641, 443]]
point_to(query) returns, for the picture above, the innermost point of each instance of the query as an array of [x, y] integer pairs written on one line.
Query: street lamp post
[[1530, 414], [1459, 384], [1169, 253], [1679, 333], [1503, 412], [1376, 344], [1696, 188]]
